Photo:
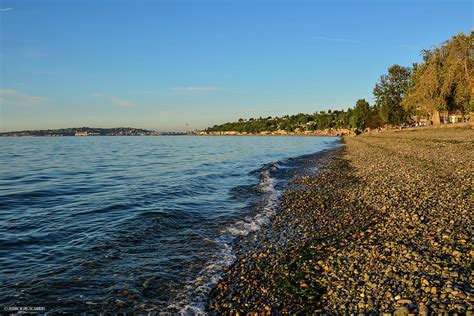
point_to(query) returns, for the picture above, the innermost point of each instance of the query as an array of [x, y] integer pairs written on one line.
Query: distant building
[[456, 118], [452, 117], [85, 134]]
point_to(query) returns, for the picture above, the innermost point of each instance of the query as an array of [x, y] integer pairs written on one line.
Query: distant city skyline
[[177, 65]]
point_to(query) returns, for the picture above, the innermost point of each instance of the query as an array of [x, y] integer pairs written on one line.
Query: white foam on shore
[[193, 299], [194, 296], [251, 224]]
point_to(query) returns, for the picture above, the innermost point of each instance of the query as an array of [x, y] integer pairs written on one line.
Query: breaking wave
[[192, 300]]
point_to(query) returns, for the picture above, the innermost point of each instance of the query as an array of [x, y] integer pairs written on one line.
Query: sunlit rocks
[[384, 227]]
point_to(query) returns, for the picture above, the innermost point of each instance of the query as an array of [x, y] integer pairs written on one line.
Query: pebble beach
[[384, 226]]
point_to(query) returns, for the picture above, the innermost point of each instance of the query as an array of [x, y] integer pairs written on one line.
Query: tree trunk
[[435, 118]]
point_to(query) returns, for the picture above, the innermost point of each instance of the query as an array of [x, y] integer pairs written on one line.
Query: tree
[[302, 118], [457, 71], [389, 93], [360, 114], [374, 120], [423, 96], [445, 79]]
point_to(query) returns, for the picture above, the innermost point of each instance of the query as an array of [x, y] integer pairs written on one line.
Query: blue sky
[[162, 64]]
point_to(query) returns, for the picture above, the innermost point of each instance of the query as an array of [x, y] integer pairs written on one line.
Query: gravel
[[385, 226]]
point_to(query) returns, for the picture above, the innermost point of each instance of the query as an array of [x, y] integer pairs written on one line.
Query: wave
[[192, 300], [273, 178], [267, 207]]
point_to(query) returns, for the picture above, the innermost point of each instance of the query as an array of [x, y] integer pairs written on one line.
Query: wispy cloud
[[194, 89], [6, 9], [15, 97], [115, 100], [336, 39]]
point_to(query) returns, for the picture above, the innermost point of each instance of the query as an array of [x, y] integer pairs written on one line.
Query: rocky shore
[[384, 226]]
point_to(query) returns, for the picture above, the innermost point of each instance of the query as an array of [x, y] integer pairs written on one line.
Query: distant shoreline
[[166, 135], [84, 131], [128, 131]]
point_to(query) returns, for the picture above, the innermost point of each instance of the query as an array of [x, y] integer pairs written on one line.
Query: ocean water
[[134, 223]]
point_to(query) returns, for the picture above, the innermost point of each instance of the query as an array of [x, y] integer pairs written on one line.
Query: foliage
[[444, 81], [374, 119], [288, 123], [389, 93], [360, 115], [457, 71]]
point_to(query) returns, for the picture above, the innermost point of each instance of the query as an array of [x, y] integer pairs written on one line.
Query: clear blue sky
[[162, 64]]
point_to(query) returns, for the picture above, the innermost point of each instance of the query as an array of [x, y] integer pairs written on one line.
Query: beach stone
[[370, 304], [404, 302], [423, 310], [401, 311]]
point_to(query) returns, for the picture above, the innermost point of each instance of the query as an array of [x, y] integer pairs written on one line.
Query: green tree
[[360, 115], [389, 93], [374, 120]]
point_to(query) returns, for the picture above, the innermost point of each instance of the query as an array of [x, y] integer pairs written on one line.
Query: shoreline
[[333, 132], [383, 227]]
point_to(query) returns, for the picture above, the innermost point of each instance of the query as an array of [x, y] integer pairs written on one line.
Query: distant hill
[[84, 131]]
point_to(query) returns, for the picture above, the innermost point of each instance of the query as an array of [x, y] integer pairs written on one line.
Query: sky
[[164, 63]]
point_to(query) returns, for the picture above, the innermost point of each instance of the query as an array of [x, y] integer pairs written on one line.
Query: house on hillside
[[456, 117], [452, 117], [445, 117]]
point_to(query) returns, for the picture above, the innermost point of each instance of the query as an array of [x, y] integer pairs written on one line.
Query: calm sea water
[[133, 223]]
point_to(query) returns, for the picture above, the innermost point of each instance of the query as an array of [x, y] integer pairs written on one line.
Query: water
[[133, 223]]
